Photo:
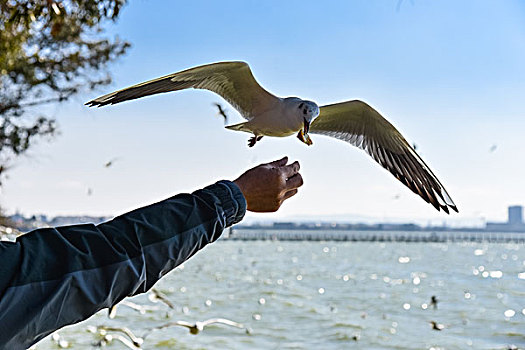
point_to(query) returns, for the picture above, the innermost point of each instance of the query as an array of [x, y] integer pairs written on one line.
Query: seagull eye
[[301, 105]]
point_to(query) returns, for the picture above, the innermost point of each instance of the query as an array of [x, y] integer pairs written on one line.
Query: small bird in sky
[[197, 327], [222, 112], [493, 148], [267, 115], [110, 162]]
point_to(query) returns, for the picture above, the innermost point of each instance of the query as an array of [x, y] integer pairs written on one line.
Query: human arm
[[52, 277]]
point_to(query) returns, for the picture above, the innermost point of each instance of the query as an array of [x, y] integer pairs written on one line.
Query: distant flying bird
[[109, 338], [437, 326], [267, 115], [222, 112], [136, 341], [493, 148], [198, 326], [156, 295], [142, 309], [110, 162]]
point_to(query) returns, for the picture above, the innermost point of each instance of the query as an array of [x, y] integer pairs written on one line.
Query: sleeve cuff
[[232, 201]]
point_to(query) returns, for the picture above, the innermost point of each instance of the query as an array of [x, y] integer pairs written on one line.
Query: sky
[[449, 75]]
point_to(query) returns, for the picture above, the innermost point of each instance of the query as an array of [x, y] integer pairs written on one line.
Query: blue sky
[[449, 75]]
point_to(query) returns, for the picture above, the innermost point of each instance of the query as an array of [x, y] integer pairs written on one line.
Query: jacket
[[52, 277]]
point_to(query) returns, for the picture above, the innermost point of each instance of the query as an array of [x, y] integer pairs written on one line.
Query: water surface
[[334, 295]]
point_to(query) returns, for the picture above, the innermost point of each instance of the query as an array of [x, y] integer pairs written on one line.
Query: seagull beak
[[303, 133], [306, 126]]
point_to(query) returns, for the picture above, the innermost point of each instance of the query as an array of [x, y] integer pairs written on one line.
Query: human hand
[[267, 186]]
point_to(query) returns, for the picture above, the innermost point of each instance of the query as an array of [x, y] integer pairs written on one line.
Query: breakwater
[[374, 236]]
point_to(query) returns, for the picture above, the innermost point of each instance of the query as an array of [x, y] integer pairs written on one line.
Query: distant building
[[284, 225], [514, 222], [515, 215]]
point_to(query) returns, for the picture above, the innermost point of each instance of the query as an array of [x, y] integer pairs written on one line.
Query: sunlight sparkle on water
[[496, 274]]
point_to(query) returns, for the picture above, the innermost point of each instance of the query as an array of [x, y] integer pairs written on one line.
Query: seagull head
[[307, 111]]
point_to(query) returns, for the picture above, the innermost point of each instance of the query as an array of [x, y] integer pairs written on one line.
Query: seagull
[[198, 326], [267, 115], [110, 162], [221, 112], [142, 309], [434, 301], [135, 341], [156, 295], [437, 326]]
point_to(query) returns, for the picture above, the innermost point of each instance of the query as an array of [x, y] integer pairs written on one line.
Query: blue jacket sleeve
[[53, 277]]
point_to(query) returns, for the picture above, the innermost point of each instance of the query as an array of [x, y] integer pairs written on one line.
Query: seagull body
[[267, 115], [197, 327]]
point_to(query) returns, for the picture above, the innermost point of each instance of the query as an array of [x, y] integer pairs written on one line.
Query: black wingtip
[[95, 103]]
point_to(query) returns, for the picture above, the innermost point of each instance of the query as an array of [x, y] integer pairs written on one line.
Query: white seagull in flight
[[267, 115]]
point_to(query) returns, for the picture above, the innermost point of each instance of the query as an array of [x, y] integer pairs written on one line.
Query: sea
[[325, 295]]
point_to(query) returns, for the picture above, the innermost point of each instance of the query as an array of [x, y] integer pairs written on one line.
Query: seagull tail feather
[[239, 127]]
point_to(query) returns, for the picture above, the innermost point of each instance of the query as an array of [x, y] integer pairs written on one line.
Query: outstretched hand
[[267, 186]]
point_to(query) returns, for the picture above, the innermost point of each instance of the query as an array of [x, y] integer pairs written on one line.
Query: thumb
[[280, 162]]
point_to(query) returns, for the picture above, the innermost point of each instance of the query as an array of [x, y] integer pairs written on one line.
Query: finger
[[280, 162], [294, 181], [291, 169], [289, 194]]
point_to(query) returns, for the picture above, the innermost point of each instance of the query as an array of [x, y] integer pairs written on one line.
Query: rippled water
[[328, 295]]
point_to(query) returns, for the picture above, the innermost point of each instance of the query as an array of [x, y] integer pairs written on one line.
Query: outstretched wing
[[223, 321], [233, 81], [362, 126], [175, 323]]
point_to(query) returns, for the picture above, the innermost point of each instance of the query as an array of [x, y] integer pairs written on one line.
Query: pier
[[375, 236]]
